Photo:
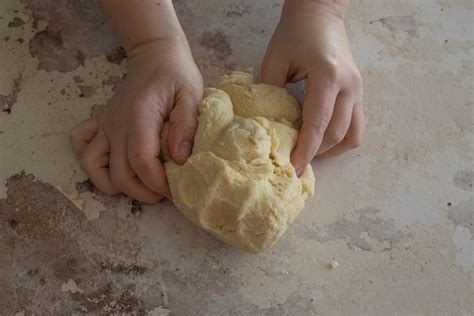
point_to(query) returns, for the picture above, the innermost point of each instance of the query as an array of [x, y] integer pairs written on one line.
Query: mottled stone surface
[[397, 214]]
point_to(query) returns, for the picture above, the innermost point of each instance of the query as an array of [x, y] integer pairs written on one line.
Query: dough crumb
[[333, 264]]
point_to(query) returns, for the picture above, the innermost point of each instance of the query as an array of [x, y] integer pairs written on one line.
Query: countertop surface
[[396, 214]]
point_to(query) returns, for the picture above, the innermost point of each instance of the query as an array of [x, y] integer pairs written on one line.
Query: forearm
[[141, 22], [335, 7]]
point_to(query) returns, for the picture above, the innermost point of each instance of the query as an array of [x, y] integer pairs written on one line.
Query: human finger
[[95, 163], [354, 135], [82, 134], [143, 154], [124, 177], [318, 106]]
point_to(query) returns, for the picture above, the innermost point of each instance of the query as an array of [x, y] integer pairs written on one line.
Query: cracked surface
[[396, 214]]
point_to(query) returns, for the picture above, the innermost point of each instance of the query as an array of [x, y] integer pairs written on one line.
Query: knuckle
[[74, 134], [151, 199], [309, 155], [139, 162], [109, 190], [305, 155], [189, 128], [86, 163], [356, 80], [356, 141], [119, 182], [119, 179], [113, 121], [196, 92], [183, 121], [319, 124], [331, 71], [335, 137]]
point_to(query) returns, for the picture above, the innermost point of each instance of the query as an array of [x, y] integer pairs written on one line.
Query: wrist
[[155, 54], [155, 40], [137, 23], [336, 8], [176, 45]]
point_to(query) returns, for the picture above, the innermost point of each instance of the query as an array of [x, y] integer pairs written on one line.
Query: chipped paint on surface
[[462, 214], [70, 286], [412, 208], [464, 242], [48, 47], [365, 234], [75, 30], [400, 24], [7, 101], [218, 43], [464, 180], [159, 311], [397, 214]]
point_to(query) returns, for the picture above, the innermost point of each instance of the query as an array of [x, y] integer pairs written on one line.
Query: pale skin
[[119, 148]]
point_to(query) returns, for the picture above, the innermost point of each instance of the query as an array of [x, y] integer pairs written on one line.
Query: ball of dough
[[238, 184]]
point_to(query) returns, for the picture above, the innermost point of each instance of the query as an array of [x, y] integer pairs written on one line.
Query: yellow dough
[[239, 184]]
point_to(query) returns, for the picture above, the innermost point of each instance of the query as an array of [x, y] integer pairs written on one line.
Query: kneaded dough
[[239, 184]]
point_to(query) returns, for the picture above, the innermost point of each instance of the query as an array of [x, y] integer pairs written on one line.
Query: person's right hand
[[119, 149], [310, 43]]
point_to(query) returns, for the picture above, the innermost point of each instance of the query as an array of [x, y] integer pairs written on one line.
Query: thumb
[[183, 124], [273, 71]]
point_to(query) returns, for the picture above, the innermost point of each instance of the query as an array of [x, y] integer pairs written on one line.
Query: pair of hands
[[119, 149]]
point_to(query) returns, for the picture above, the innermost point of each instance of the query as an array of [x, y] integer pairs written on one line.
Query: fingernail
[[185, 149]]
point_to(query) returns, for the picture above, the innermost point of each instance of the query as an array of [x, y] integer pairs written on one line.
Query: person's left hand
[[310, 43], [119, 150]]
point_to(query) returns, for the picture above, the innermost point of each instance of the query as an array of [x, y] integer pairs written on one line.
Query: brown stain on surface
[[86, 91], [376, 229], [48, 46], [31, 221], [217, 43], [77, 79], [16, 22], [123, 268], [106, 301], [463, 214], [45, 241], [400, 24], [237, 10], [113, 81], [96, 109], [184, 13], [116, 56], [75, 30], [85, 186], [137, 208], [7, 101], [464, 180]]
